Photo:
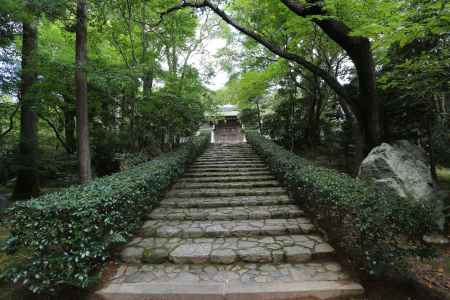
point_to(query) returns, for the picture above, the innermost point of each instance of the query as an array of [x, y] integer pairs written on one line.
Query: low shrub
[[69, 234], [129, 160], [375, 229]]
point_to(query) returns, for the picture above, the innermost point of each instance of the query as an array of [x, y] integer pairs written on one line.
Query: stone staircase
[[228, 230]]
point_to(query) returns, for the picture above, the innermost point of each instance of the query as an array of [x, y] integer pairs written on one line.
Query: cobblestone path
[[228, 230]]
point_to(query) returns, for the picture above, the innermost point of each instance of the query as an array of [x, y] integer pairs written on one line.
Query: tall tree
[[365, 106], [84, 154], [27, 183]]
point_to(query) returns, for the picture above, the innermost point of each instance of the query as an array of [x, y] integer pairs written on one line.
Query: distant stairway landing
[[228, 230], [232, 134]]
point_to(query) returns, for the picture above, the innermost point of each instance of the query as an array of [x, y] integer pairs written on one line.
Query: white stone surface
[[400, 167]]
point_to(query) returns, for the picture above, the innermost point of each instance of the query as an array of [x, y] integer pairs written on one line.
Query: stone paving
[[226, 185], [283, 248], [190, 229], [221, 179], [228, 230], [222, 174], [227, 201], [245, 273], [218, 192], [227, 213]]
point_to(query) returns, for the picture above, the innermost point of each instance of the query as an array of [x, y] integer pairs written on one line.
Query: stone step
[[230, 151], [239, 145], [229, 148], [243, 145], [218, 162], [227, 213], [226, 185], [230, 156], [249, 228], [324, 280], [229, 160], [225, 169], [197, 174], [227, 166], [237, 149], [228, 232], [230, 250], [234, 156], [227, 179], [226, 201], [218, 192]]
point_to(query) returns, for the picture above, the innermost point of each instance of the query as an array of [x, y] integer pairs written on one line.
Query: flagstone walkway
[[228, 230]]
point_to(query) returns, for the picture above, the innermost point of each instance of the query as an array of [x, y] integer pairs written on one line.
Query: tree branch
[[272, 47], [303, 10], [120, 49], [357, 47], [11, 122], [336, 30], [58, 136]]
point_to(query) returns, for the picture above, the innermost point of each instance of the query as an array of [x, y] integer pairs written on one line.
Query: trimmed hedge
[[68, 235], [376, 230], [130, 160]]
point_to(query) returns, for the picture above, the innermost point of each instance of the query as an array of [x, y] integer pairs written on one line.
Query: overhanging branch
[[303, 10], [271, 46]]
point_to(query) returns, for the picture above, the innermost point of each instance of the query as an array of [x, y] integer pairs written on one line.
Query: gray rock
[[402, 168]]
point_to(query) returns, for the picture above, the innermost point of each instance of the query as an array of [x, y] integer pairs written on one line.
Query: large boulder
[[402, 168]]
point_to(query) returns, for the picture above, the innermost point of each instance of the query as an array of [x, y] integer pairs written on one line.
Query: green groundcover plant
[[376, 230], [68, 235]]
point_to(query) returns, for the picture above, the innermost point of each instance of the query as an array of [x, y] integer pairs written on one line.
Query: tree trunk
[[27, 183], [366, 106], [70, 127], [312, 122], [355, 139], [84, 155], [369, 108], [291, 124], [69, 131], [430, 142], [148, 83], [258, 110]]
